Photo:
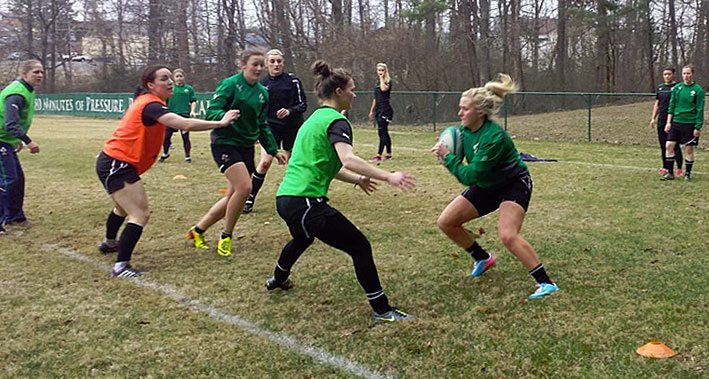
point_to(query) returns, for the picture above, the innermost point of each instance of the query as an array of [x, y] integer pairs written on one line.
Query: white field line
[[197, 305], [578, 163]]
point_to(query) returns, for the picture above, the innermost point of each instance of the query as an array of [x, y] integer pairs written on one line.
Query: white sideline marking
[[580, 163], [196, 305]]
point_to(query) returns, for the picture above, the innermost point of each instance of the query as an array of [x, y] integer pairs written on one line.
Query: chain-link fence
[[573, 116]]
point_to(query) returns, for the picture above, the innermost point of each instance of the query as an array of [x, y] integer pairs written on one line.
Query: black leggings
[[383, 130], [310, 218], [167, 141]]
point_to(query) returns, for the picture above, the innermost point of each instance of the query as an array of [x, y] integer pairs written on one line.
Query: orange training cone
[[655, 349], [222, 190]]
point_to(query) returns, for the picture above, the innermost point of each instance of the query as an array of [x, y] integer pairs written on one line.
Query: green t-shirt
[[491, 155], [252, 101], [182, 97], [26, 114], [314, 161], [687, 104]]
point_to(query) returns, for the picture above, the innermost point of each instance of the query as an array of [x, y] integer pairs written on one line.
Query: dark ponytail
[[327, 79]]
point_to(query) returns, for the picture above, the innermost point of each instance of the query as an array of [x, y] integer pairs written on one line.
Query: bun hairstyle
[[248, 53], [327, 79], [148, 76], [488, 98], [690, 67]]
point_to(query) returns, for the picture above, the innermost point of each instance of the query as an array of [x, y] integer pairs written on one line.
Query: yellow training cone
[[655, 349], [179, 176]]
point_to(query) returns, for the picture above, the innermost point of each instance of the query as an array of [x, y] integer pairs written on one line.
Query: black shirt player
[[659, 117]]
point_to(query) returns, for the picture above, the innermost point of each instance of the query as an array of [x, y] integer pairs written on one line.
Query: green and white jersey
[[26, 114], [182, 97], [687, 104], [491, 155], [314, 161], [252, 101]]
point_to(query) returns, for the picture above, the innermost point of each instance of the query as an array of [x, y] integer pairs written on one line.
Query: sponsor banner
[[108, 105]]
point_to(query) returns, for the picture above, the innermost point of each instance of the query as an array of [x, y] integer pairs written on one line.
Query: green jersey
[[182, 99], [314, 162], [491, 155], [687, 104], [252, 102], [26, 114]]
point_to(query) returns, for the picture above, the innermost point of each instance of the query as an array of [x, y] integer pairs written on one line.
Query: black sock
[[477, 252], [539, 274], [256, 183], [198, 229], [669, 164], [280, 274], [113, 223], [379, 302], [225, 235], [688, 166], [129, 238]]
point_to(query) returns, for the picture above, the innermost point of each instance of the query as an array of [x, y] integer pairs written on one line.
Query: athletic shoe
[[667, 176], [678, 172], [481, 266], [687, 176], [376, 158], [224, 247], [544, 290], [388, 158], [188, 159], [272, 284], [393, 315], [163, 157], [248, 206], [126, 272], [198, 239], [662, 171], [2, 230], [106, 248]]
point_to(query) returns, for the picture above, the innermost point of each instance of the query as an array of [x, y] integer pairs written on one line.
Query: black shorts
[[683, 134], [285, 137], [306, 217], [114, 174], [226, 156], [487, 200]]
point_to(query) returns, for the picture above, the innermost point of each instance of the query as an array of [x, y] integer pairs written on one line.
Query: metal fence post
[[435, 108], [589, 100]]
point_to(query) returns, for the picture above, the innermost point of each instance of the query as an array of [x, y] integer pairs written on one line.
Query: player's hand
[[440, 150], [282, 113], [367, 184], [401, 180], [34, 148], [281, 158], [697, 133], [668, 127], [229, 117], [653, 123], [371, 116]]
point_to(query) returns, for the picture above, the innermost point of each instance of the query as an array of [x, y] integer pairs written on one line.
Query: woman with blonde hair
[[16, 112], [382, 112], [497, 179]]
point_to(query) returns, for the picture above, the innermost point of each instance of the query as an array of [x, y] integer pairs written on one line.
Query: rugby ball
[[452, 138]]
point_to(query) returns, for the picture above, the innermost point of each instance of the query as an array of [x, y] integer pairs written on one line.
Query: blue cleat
[[544, 290], [481, 266], [393, 315]]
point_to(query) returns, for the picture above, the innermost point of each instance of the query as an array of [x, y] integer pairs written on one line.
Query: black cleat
[[272, 284]]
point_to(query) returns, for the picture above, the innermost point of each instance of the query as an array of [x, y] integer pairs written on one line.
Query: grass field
[[627, 250]]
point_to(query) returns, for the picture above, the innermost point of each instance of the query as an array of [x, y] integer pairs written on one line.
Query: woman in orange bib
[[132, 149]]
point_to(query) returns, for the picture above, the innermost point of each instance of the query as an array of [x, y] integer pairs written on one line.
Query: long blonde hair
[[488, 98], [387, 78]]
